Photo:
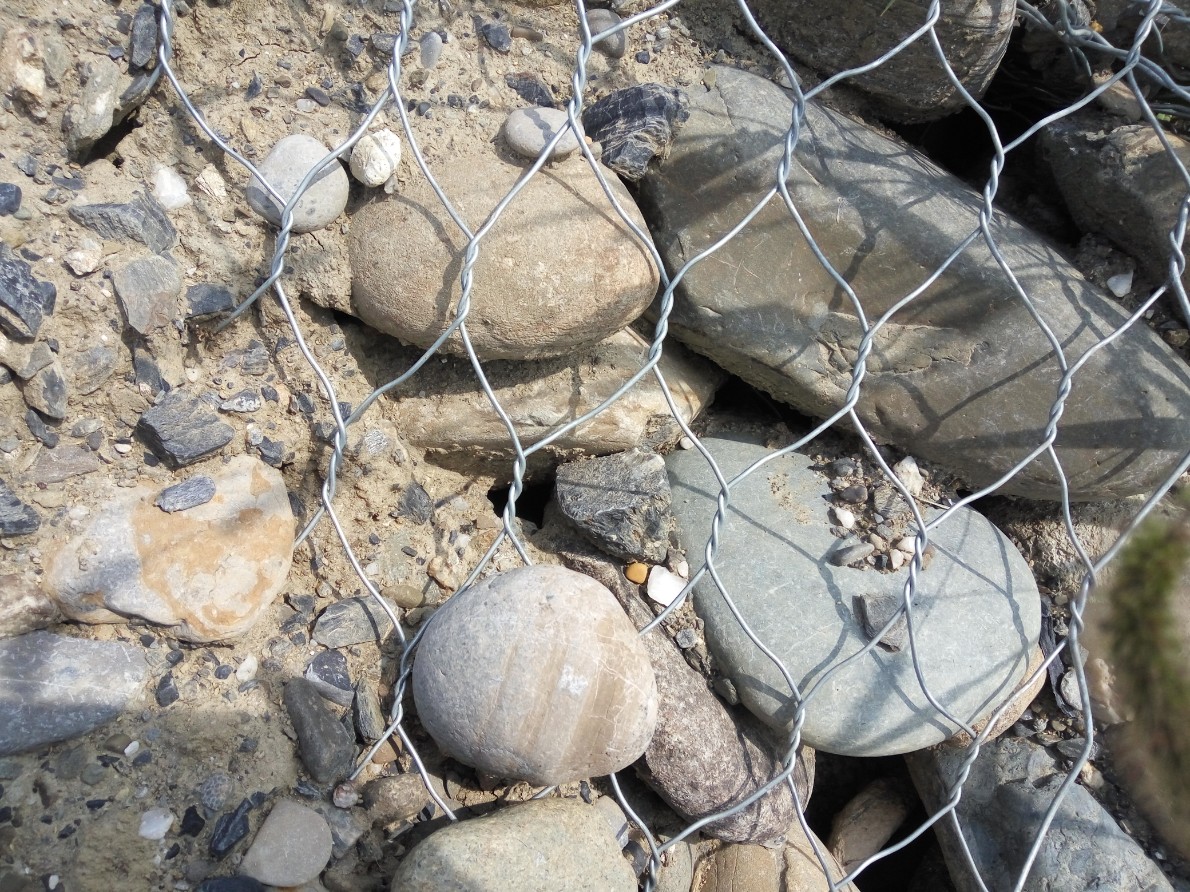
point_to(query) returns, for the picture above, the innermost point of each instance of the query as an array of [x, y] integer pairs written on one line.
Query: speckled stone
[[284, 167], [536, 674], [291, 848]]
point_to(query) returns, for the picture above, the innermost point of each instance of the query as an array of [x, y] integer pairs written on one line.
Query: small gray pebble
[[431, 49], [601, 20], [187, 494]]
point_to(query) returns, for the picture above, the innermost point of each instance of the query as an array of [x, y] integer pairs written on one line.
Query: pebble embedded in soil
[[181, 429], [290, 160], [291, 848], [529, 130]]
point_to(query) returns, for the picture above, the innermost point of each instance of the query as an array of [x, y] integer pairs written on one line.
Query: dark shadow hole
[[530, 504], [108, 145]]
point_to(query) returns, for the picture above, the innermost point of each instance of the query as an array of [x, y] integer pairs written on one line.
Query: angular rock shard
[[963, 375], [24, 300], [636, 125]]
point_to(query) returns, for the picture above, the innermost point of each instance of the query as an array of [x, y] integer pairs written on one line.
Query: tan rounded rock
[[536, 674], [559, 270]]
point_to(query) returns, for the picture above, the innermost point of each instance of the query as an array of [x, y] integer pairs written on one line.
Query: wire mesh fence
[[1065, 23]]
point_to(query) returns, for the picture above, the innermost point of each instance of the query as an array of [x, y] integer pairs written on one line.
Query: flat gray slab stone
[[976, 619], [54, 688]]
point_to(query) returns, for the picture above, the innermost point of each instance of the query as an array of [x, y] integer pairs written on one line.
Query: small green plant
[[1149, 655]]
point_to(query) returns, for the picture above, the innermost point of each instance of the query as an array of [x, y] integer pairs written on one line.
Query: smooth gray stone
[[54, 688], [976, 618], [352, 621], [16, 518], [963, 376], [141, 220], [529, 130], [191, 493], [181, 429], [148, 290], [1011, 785], [284, 168], [24, 299], [620, 503], [326, 746], [431, 49], [601, 20]]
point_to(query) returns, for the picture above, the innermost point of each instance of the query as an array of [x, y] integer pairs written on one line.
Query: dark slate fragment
[[208, 299], [497, 36], [46, 392], [621, 503], [10, 199], [189, 493], [37, 428], [146, 370], [142, 47], [369, 717], [636, 125], [318, 95], [167, 690], [329, 673], [416, 504], [24, 300], [272, 452], [352, 621], [16, 518], [229, 829], [530, 87], [142, 220], [327, 748], [181, 429], [874, 610], [255, 86]]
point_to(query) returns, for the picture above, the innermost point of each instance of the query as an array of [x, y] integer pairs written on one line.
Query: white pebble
[[1120, 284], [905, 544], [685, 443], [305, 106], [376, 157], [84, 259], [664, 586], [896, 559], [169, 188], [683, 569], [431, 49], [247, 670], [132, 749], [910, 475], [843, 517], [155, 823]]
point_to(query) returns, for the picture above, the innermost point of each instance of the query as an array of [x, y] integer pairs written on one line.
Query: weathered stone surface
[[1120, 183], [142, 44], [24, 359], [803, 873], [635, 125], [395, 798], [207, 573], [536, 674], [142, 220], [620, 502], [1010, 786], [181, 429], [976, 614], [24, 299], [24, 607], [352, 621], [46, 391], [558, 271], [284, 168], [55, 688], [62, 463], [148, 291], [291, 847], [16, 518], [92, 115], [370, 720], [22, 71], [750, 867], [326, 746], [615, 46], [539, 846], [89, 369], [911, 86], [456, 424], [962, 376], [329, 672]]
